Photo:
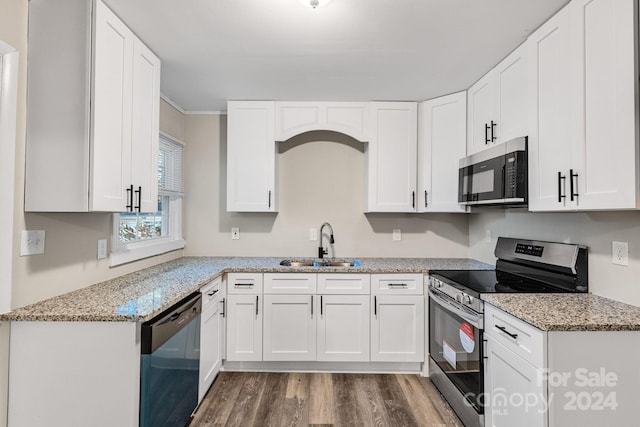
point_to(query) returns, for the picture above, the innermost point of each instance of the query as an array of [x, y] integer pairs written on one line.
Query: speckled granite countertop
[[568, 312], [142, 295]]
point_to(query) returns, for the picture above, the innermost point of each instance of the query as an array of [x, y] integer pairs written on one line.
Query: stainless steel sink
[[317, 263]]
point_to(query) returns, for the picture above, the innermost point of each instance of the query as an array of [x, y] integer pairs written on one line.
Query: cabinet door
[[511, 94], [251, 157], [244, 328], [515, 391], [606, 149], [343, 328], [145, 127], [442, 142], [397, 328], [110, 153], [210, 356], [550, 147], [480, 107], [289, 327], [391, 157]]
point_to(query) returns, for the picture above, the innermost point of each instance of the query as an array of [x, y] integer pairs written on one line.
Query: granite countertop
[[146, 293], [568, 312]]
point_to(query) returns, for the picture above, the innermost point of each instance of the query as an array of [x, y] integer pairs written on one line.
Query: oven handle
[[474, 319]]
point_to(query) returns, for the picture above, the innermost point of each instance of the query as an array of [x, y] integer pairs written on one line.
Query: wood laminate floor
[[322, 399]]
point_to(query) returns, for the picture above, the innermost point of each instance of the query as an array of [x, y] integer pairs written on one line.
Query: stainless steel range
[[456, 311]]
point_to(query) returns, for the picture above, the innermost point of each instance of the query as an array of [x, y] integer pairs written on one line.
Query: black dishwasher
[[170, 364]]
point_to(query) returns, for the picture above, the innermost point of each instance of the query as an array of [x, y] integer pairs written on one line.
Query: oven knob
[[468, 299], [459, 298]]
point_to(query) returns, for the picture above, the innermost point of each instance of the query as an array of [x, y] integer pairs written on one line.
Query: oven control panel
[[532, 250], [440, 287]]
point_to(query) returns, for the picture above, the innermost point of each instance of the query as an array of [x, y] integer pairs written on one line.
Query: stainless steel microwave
[[495, 176]]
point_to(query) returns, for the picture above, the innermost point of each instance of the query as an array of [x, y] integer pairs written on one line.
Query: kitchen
[[69, 261]]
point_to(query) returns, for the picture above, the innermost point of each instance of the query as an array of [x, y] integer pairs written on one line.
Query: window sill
[[138, 252]]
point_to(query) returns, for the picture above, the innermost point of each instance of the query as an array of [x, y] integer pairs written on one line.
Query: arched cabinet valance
[[295, 118]]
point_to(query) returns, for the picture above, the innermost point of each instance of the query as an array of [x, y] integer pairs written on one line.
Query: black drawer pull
[[398, 285], [503, 329], [243, 285]]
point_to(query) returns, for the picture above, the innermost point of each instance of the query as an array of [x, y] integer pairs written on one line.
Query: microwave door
[[483, 182]]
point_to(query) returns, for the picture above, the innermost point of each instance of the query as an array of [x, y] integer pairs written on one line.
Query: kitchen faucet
[[321, 250]]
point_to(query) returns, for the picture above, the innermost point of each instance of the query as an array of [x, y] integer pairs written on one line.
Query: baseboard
[[332, 367]]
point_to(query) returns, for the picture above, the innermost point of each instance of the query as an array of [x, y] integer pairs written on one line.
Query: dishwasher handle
[[160, 329]]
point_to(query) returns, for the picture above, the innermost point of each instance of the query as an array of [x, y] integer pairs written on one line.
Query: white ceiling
[[349, 50]]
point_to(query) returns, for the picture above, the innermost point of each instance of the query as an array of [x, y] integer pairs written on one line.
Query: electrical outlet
[[235, 233], [397, 234], [102, 248], [32, 242], [620, 253], [313, 234]]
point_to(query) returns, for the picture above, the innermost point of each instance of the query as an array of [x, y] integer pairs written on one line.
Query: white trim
[[159, 246], [172, 138], [171, 102], [8, 116], [207, 113]]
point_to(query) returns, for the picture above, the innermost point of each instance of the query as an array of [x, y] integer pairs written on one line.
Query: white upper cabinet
[[294, 118], [92, 112], [251, 157], [582, 147], [497, 104], [442, 124], [606, 148], [391, 157]]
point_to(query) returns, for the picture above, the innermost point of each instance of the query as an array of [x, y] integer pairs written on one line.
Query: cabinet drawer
[[244, 283], [350, 284], [290, 283], [397, 284], [520, 337], [210, 292]]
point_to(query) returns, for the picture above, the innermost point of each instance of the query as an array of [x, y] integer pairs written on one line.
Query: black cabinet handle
[[243, 285], [375, 306], [257, 302], [321, 311], [561, 178], [139, 193], [571, 187], [426, 204], [398, 285], [503, 329], [493, 126], [486, 134], [311, 305], [212, 293], [224, 303], [269, 198], [130, 199], [413, 199]]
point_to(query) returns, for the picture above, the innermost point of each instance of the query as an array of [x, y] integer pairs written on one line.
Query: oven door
[[482, 182], [456, 347]]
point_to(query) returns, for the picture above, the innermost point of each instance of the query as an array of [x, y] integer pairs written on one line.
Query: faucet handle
[[322, 252]]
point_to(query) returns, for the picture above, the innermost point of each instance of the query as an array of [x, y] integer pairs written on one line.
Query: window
[[140, 235]]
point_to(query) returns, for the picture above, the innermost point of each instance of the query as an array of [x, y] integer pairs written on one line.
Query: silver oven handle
[[474, 319]]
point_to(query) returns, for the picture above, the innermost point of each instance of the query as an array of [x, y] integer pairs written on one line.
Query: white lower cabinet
[[289, 328], [325, 317], [397, 328], [343, 328], [558, 378], [211, 339], [508, 378], [244, 328]]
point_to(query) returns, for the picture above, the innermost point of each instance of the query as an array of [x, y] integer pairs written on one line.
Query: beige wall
[[321, 178], [596, 230]]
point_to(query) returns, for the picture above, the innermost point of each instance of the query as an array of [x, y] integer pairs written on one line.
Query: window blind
[[169, 167]]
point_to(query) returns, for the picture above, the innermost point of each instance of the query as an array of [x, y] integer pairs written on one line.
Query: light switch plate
[[102, 248], [32, 242], [235, 233], [620, 253], [397, 234]]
